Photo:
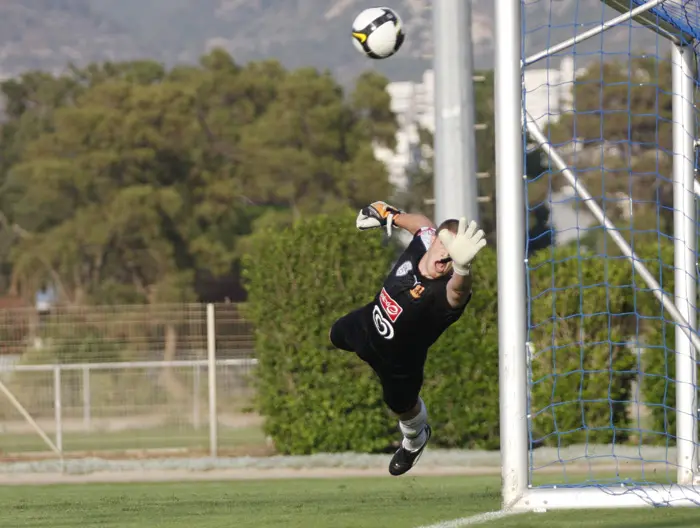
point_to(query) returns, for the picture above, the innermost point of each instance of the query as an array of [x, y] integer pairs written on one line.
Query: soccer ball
[[377, 32]]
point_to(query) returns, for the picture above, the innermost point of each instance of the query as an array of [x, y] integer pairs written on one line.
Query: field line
[[470, 521]]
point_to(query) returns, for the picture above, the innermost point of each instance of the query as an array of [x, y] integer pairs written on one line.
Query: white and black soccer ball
[[377, 32]]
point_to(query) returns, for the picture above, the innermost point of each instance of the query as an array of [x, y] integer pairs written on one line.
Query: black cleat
[[403, 459]]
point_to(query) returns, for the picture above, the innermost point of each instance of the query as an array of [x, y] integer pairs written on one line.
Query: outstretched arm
[[462, 247], [381, 214], [413, 222], [459, 288]]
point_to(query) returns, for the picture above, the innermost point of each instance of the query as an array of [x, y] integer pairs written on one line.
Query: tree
[[617, 139], [627, 104], [30, 101], [311, 152], [127, 182]]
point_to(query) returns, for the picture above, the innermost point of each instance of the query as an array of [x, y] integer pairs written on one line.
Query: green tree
[[627, 104], [616, 139], [126, 181], [106, 194], [310, 151]]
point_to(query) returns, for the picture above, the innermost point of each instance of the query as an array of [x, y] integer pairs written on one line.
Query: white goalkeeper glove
[[377, 214], [464, 245]]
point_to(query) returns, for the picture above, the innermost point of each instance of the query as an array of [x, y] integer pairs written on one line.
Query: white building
[[549, 92], [413, 104]]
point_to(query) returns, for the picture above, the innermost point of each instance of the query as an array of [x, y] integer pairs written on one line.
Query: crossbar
[[652, 22], [613, 22]]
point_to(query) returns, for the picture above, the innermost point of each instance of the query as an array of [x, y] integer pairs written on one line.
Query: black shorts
[[401, 387]]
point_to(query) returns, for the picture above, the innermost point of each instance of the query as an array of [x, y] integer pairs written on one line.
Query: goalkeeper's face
[[438, 261]]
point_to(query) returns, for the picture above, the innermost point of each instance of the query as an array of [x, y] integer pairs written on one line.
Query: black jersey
[[411, 311]]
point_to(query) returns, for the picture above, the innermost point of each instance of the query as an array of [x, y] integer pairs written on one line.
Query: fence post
[[86, 398], [57, 407], [196, 383], [211, 355]]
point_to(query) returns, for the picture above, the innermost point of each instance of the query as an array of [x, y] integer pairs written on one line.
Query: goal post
[[598, 375]]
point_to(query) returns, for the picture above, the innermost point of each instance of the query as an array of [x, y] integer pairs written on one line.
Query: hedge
[[585, 310], [317, 399], [314, 398], [581, 369], [657, 390], [461, 376]]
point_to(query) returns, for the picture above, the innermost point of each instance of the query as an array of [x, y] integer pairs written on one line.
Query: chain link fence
[[127, 381]]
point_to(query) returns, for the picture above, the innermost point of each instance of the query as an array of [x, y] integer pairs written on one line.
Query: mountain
[[47, 34]]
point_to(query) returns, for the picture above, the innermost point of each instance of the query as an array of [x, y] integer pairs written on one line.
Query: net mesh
[[602, 348]]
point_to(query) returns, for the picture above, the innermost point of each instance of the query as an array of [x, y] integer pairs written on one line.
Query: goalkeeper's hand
[[377, 214], [464, 245]]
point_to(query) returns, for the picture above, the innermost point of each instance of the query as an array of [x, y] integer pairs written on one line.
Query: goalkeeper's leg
[[413, 425], [347, 333], [401, 394]]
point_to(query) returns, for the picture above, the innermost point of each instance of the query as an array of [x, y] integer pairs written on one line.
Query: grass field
[[349, 503]]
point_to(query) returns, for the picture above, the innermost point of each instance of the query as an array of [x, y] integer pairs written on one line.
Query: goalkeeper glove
[[377, 214], [464, 245]]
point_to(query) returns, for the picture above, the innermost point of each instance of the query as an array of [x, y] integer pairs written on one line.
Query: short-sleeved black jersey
[[411, 311]]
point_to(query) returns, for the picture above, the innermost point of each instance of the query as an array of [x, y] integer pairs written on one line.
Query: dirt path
[[228, 474], [183, 475]]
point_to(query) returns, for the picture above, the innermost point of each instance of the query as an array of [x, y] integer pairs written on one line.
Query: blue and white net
[[602, 407]]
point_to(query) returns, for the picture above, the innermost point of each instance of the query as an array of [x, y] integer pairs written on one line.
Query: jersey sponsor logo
[[381, 324], [404, 268], [391, 307], [426, 235]]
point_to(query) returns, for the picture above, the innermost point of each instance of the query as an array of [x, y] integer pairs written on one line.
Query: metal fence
[[127, 381]]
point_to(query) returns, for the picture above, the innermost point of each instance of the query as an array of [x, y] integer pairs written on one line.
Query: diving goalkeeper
[[425, 292]]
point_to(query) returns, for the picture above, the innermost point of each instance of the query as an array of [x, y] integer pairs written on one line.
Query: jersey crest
[[404, 268], [417, 291]]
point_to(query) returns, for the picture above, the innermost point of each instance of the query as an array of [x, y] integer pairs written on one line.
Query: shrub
[[461, 379], [300, 280], [657, 392]]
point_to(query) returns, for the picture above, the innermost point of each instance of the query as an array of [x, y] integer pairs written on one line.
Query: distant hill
[[46, 34]]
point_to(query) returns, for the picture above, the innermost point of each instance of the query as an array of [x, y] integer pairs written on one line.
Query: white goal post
[[515, 129]]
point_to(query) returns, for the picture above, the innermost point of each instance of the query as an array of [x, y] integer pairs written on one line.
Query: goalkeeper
[[425, 292]]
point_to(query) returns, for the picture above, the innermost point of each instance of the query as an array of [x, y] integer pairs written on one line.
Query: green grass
[[337, 503], [153, 438]]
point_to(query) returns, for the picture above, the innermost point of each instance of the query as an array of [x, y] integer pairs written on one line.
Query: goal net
[[597, 241]]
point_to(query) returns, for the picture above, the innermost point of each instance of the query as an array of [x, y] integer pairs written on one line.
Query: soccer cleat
[[403, 459]]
